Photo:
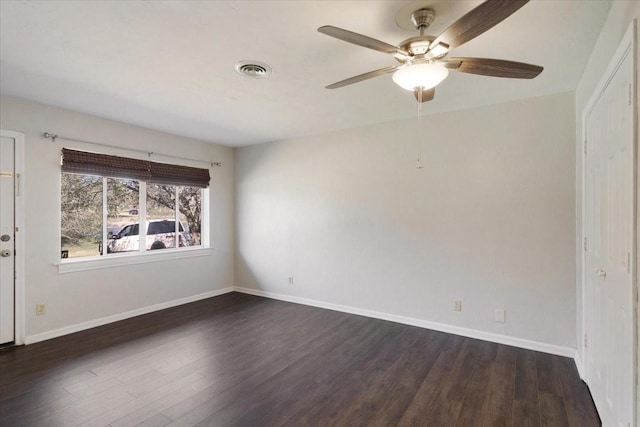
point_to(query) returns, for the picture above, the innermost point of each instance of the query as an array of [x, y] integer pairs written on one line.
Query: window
[[81, 215], [104, 199]]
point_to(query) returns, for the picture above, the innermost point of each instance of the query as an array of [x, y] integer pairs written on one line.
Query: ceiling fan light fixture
[[423, 75]]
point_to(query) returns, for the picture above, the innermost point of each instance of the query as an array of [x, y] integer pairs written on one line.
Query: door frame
[[19, 283], [628, 46]]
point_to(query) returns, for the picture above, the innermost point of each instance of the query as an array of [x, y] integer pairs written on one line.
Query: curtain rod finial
[[53, 136]]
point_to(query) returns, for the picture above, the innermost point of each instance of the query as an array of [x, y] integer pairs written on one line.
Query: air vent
[[253, 69]]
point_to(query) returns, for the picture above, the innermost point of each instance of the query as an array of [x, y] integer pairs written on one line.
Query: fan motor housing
[[418, 45]]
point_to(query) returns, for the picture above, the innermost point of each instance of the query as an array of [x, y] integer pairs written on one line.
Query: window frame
[[70, 265], [142, 256]]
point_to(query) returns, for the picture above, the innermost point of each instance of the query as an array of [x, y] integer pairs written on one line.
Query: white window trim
[[70, 265], [142, 218], [117, 260]]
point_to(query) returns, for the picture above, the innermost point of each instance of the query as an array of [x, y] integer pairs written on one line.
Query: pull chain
[[419, 128]]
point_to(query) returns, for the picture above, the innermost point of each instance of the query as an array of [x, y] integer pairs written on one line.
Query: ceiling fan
[[423, 59]]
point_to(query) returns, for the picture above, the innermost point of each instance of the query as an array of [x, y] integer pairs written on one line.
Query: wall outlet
[[41, 309], [500, 316], [291, 280], [457, 305]]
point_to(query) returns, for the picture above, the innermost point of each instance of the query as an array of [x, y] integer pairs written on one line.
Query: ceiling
[[169, 65]]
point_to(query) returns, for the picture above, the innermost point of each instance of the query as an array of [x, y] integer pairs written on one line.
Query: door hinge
[[629, 93], [585, 146], [584, 243], [629, 262], [585, 341]]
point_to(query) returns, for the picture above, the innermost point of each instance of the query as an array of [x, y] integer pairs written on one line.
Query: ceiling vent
[[253, 69]]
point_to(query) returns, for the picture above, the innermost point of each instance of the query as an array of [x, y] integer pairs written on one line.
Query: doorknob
[[5, 253], [601, 273]]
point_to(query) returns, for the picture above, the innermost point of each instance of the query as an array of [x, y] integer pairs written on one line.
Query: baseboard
[[456, 330], [579, 364], [31, 339]]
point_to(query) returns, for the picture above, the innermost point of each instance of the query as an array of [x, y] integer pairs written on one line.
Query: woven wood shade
[[164, 173], [74, 161]]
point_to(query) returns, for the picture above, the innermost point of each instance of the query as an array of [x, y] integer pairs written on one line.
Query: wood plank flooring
[[240, 360]]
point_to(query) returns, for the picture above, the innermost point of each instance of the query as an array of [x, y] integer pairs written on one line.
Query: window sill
[[117, 260]]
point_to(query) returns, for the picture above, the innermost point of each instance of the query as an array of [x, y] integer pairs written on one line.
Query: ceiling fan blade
[[426, 95], [365, 76], [495, 67], [362, 40], [452, 65], [482, 18]]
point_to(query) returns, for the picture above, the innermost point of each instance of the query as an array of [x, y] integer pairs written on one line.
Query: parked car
[[160, 235]]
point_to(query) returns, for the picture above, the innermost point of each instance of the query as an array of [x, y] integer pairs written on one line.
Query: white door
[[7, 239], [609, 188]]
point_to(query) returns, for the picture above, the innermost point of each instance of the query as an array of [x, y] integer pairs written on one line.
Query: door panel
[[7, 245], [609, 190]]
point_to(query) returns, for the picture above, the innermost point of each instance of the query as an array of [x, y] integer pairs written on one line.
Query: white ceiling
[[170, 65]]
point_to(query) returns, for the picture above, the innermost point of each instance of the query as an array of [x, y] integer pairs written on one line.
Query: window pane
[[81, 225], [122, 215], [190, 206], [161, 214], [83, 215]]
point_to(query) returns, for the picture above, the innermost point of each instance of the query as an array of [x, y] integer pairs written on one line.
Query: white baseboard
[[579, 364], [121, 316], [456, 330]]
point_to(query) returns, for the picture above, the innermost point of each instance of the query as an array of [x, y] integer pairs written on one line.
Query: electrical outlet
[[457, 305], [500, 316], [291, 280], [41, 309]]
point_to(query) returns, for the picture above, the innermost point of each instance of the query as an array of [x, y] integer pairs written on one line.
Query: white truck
[[161, 234]]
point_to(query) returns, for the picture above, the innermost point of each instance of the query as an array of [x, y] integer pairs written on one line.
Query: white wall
[[76, 298], [490, 220]]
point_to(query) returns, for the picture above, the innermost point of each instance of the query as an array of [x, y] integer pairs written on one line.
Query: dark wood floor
[[240, 360]]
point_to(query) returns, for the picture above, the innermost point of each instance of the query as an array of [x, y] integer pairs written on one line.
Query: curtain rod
[[53, 137]]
